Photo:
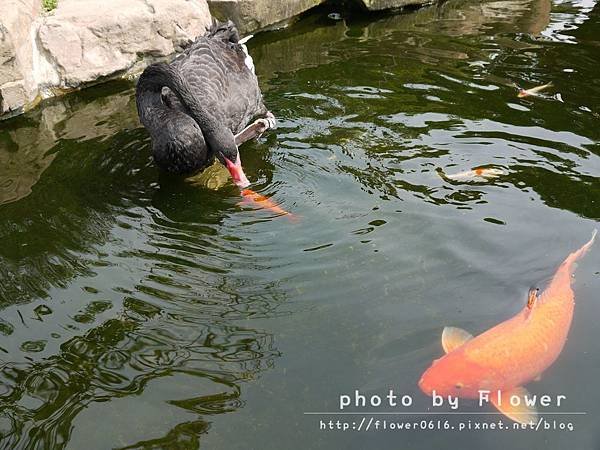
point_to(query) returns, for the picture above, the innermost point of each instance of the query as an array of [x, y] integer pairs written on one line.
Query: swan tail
[[248, 59], [226, 31]]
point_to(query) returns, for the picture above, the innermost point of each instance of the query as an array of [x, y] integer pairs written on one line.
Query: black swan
[[196, 108]]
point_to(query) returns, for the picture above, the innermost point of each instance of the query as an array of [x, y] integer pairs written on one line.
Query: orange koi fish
[[265, 203], [511, 354], [533, 91]]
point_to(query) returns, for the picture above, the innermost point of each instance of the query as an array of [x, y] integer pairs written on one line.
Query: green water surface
[[140, 312]]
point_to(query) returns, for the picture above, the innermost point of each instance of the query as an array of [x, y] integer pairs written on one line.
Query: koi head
[[454, 375], [522, 93]]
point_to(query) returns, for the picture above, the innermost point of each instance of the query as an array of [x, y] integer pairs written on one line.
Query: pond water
[[142, 312]]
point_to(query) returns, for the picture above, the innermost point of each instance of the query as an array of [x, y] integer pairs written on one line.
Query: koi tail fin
[[569, 263]]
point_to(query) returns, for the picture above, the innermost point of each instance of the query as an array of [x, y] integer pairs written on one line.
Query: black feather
[[192, 106]]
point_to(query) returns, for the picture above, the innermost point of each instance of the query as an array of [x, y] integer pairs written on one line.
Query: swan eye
[[459, 385]]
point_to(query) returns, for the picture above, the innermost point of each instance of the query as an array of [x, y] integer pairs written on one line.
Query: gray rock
[[17, 85], [85, 44], [80, 43], [252, 15], [13, 95]]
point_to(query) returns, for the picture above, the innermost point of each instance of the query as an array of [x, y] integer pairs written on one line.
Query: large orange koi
[[511, 354]]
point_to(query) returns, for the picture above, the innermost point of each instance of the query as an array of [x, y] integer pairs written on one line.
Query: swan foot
[[268, 123], [256, 129]]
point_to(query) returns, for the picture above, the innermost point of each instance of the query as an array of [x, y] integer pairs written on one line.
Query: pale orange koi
[[533, 91]]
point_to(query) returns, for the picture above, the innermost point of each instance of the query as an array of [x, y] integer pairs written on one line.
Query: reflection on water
[[568, 16], [139, 311], [121, 358], [28, 143]]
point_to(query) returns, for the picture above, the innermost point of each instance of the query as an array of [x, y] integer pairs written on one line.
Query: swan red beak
[[237, 173]]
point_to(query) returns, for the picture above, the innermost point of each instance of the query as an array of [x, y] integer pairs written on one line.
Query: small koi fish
[[265, 203], [533, 91], [478, 172]]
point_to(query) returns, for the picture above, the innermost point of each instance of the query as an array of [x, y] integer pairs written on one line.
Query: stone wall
[[84, 42], [16, 56], [251, 15], [80, 43]]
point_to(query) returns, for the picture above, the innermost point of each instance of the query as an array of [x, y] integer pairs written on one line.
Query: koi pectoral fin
[[245, 202], [293, 218], [522, 412], [452, 338]]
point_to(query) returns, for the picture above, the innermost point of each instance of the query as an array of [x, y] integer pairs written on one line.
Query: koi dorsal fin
[[452, 338], [532, 301]]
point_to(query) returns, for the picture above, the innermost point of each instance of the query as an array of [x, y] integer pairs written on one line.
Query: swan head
[[235, 170], [227, 153]]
